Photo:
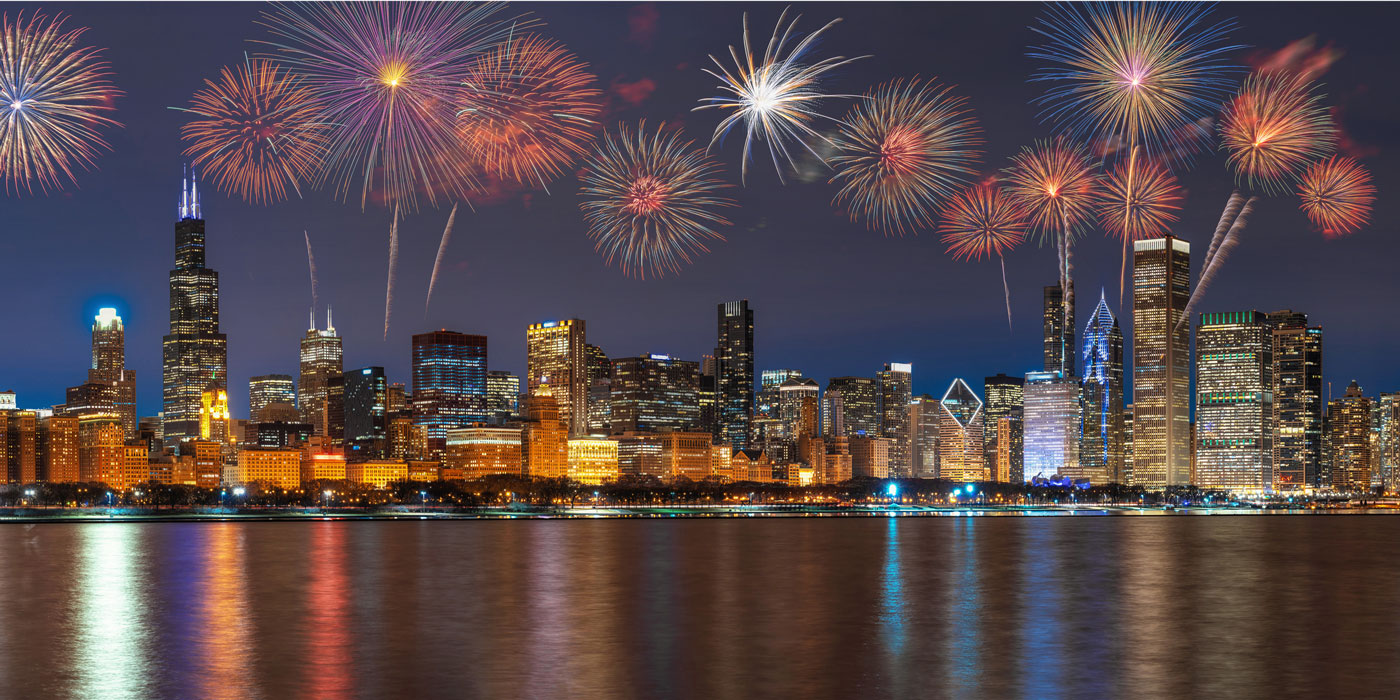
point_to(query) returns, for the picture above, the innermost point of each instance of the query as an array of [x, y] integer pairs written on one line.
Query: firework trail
[[528, 111], [651, 200], [1140, 200], [982, 221], [775, 96], [257, 132], [903, 149], [437, 262], [393, 267], [54, 100], [1227, 217], [311, 263], [1337, 195], [1231, 240]]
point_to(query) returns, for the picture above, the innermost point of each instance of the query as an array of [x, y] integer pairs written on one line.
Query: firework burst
[[1273, 127], [1140, 200], [651, 200], [1146, 74], [982, 221], [903, 149], [775, 96], [1057, 186], [1337, 195], [257, 132], [389, 77], [54, 99], [530, 109]]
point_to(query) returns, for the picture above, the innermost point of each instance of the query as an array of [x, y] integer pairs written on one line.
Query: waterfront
[[811, 607]]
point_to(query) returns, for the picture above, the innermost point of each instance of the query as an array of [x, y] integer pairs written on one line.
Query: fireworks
[[389, 76], [776, 97], [258, 132], [1144, 74], [1055, 184], [1273, 127], [54, 98], [982, 221], [437, 261], [1140, 200], [901, 150], [1337, 195], [651, 200], [530, 108]]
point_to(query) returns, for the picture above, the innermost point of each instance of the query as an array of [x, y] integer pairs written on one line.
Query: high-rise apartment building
[[1161, 363], [267, 389], [1101, 447], [1002, 394], [58, 448], [1349, 440], [556, 355], [924, 415], [19, 446], [1052, 417], [896, 389], [1235, 401], [322, 364], [1057, 322], [449, 383], [653, 393], [195, 353], [734, 370], [851, 406], [1298, 401], [1386, 423], [960, 455]]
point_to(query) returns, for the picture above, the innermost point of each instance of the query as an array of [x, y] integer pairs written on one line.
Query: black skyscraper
[[734, 373]]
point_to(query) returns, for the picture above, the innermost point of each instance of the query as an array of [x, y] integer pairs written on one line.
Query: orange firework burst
[[1337, 195], [531, 108], [982, 221], [1055, 184], [257, 133], [1139, 201], [1273, 127], [901, 150]]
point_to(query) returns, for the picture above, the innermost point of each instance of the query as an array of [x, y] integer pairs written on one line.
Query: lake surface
[[1037, 607]]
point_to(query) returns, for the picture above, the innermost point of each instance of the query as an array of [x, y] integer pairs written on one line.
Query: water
[[1048, 607]]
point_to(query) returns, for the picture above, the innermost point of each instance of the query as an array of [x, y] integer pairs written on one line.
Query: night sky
[[830, 297]]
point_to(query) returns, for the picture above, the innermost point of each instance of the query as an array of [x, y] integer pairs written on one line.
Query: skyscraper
[[195, 353], [857, 400], [1101, 448], [267, 389], [960, 456], [556, 355], [1386, 420], [1349, 440], [215, 422], [322, 357], [653, 393], [366, 413], [1003, 396], [734, 373], [896, 389], [1050, 428], [1297, 389], [449, 383], [1161, 363], [924, 414], [116, 385], [502, 392], [1234, 401], [1057, 321]]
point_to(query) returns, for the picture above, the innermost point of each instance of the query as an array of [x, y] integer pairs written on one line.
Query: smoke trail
[[1007, 290], [437, 262], [311, 263], [393, 264], [1232, 239], [1227, 217]]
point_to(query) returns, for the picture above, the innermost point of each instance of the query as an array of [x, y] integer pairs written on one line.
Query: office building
[[1051, 415], [1002, 395], [653, 393], [57, 449], [1161, 363], [556, 355], [379, 473], [734, 373], [870, 456], [268, 389], [19, 446], [1386, 431], [924, 415], [1101, 446], [502, 393], [1298, 401], [1234, 402], [1010, 455], [896, 390], [1349, 441], [322, 357], [277, 467], [110, 387], [960, 455], [101, 453], [449, 384], [593, 460], [1057, 321], [545, 443], [366, 412], [851, 406], [483, 450], [215, 422]]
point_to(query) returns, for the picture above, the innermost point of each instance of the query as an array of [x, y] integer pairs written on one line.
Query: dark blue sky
[[830, 298]]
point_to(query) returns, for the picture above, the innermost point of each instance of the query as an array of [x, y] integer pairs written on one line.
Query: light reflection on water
[[802, 607]]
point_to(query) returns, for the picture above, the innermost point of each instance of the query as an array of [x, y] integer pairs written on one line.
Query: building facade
[[1057, 325], [896, 390], [556, 355], [1101, 447], [653, 393], [268, 389], [1052, 418], [1298, 401], [1161, 363], [449, 384], [960, 454], [322, 364], [734, 373], [1349, 441], [1235, 402]]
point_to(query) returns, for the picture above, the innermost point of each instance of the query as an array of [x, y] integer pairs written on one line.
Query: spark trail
[[437, 262]]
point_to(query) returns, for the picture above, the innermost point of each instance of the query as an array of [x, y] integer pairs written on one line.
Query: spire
[[313, 319], [194, 194], [184, 192], [330, 327]]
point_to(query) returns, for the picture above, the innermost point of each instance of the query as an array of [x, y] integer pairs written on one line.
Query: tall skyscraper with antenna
[[320, 388], [195, 353]]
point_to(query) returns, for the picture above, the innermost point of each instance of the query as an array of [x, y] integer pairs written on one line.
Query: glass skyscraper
[[449, 383], [320, 386], [1051, 415], [653, 393], [268, 389], [734, 371], [1161, 363], [556, 355], [1057, 322], [1298, 400], [1234, 401], [851, 406], [896, 389], [1003, 396], [960, 456], [366, 411], [1101, 445]]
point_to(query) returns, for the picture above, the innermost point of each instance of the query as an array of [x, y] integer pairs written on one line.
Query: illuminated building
[[960, 455], [401, 431], [215, 424], [1234, 402], [1101, 446], [502, 392], [799, 406], [396, 398], [654, 393], [101, 447], [1161, 363], [708, 395], [378, 473], [751, 465], [1010, 455], [7, 400], [924, 415], [427, 470], [135, 469], [322, 357], [282, 434], [484, 451], [851, 406], [449, 384], [110, 387], [640, 453], [686, 455], [195, 353], [1057, 322], [366, 411], [1297, 389], [896, 390], [269, 389], [1002, 395], [19, 446], [544, 446], [1386, 421], [279, 467], [1349, 441], [870, 456], [1128, 444], [555, 356], [734, 370], [1051, 415], [775, 377], [721, 461], [320, 464], [593, 460], [57, 449], [208, 461]]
